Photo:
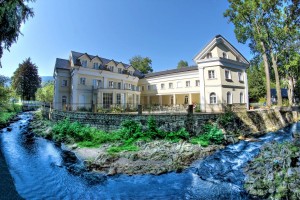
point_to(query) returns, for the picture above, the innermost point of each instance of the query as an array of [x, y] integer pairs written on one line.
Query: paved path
[[7, 187]]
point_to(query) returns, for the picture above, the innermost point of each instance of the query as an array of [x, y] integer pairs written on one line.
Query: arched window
[[229, 98], [186, 100], [64, 99], [212, 98], [241, 97], [209, 55]]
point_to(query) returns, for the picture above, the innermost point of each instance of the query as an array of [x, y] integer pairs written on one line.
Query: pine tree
[[26, 80]]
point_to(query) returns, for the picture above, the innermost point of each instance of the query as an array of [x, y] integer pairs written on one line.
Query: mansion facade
[[219, 78]]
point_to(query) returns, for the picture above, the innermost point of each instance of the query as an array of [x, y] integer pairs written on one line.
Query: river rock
[[8, 129], [68, 157]]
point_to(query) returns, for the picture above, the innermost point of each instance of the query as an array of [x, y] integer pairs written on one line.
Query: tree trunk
[[278, 88], [267, 72], [291, 90]]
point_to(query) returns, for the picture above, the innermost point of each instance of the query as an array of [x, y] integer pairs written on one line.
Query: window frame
[[209, 55], [84, 63], [229, 73], [242, 98], [241, 77], [231, 98], [171, 86], [211, 72], [162, 86], [213, 96], [82, 81], [225, 55], [187, 83], [96, 65], [64, 83], [197, 83]]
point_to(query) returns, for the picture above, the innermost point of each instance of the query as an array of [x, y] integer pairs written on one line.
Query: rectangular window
[[241, 78], [162, 86], [119, 86], [118, 98], [129, 86], [179, 84], [82, 81], [187, 84], [95, 83], [149, 87], [211, 74], [170, 85], [64, 83], [96, 65], [120, 70], [227, 74], [110, 84], [107, 99], [197, 82], [143, 88], [84, 63]]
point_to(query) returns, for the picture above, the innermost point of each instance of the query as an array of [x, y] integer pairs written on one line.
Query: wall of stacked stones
[[250, 121]]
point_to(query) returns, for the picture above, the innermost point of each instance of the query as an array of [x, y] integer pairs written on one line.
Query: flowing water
[[39, 171]]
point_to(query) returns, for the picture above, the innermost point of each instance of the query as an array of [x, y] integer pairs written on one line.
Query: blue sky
[[164, 30]]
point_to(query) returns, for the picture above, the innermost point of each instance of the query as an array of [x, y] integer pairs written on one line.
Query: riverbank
[[7, 186], [151, 156], [275, 172]]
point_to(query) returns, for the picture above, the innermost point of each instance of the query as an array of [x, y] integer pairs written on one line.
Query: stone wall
[[246, 122]]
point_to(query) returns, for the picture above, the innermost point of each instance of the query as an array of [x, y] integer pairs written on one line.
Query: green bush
[[117, 149], [177, 135], [211, 135]]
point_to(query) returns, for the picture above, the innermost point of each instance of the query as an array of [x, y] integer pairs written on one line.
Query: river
[[39, 172]]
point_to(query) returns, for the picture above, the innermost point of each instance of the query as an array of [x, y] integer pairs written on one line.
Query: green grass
[[8, 111]]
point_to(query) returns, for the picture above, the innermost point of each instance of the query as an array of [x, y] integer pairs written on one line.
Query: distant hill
[[46, 79]]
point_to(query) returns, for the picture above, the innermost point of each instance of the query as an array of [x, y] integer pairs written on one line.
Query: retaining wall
[[247, 121]]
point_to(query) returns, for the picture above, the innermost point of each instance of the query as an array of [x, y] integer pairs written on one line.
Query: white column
[[160, 99], [104, 82], [246, 90], [202, 89], [74, 90], [174, 99], [190, 99]]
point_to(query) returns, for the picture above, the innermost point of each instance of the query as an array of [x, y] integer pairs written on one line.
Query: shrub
[[211, 134], [177, 135]]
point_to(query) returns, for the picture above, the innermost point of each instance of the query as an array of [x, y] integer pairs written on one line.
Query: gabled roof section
[[62, 64], [85, 54], [97, 58], [77, 55], [219, 39], [171, 71]]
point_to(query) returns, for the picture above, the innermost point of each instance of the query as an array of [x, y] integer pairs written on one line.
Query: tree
[[4, 91], [256, 83], [182, 64], [12, 14], [141, 64], [267, 25], [26, 80], [46, 93], [247, 16]]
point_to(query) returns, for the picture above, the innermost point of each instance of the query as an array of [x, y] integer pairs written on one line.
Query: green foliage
[[182, 64], [211, 135], [226, 119], [26, 80], [177, 135], [7, 111], [256, 83], [131, 129], [12, 14], [45, 93], [142, 64]]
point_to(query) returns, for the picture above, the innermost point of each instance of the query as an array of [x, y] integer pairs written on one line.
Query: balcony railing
[[115, 87]]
